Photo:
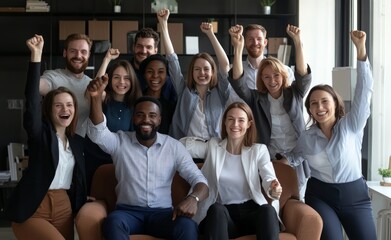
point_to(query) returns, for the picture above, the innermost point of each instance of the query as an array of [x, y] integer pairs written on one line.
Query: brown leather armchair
[[301, 221]]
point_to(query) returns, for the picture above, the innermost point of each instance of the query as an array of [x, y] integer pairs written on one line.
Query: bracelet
[[194, 196]]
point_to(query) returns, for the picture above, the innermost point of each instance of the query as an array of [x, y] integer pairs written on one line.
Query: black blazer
[[43, 158]]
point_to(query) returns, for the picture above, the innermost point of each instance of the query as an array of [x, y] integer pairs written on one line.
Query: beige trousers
[[52, 220]]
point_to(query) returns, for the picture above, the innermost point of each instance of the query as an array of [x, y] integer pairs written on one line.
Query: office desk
[[381, 204]]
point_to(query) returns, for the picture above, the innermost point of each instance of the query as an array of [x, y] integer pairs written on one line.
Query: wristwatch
[[194, 196]]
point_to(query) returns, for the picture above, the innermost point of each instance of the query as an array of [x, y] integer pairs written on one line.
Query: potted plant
[[117, 5], [386, 174], [267, 4]]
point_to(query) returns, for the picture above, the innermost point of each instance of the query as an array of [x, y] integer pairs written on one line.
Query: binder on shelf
[[120, 30], [284, 53], [15, 153]]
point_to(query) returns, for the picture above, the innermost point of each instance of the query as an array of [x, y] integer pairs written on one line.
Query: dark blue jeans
[[346, 204], [126, 220]]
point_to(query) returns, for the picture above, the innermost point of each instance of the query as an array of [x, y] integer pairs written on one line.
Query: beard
[[254, 53], [146, 136], [74, 70]]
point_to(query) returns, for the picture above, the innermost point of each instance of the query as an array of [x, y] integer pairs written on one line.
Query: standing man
[[145, 163], [145, 44], [255, 43], [77, 50]]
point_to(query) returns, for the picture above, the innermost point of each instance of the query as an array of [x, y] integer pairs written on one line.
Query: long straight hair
[[135, 89], [251, 133]]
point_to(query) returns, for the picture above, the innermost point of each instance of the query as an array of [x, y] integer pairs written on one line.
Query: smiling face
[[143, 48], [77, 55], [273, 81], [63, 110], [120, 82], [202, 72], [322, 107], [236, 124], [255, 43], [146, 121], [155, 75]]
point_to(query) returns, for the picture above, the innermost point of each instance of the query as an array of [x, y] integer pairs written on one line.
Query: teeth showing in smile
[[146, 127], [321, 113], [64, 116]]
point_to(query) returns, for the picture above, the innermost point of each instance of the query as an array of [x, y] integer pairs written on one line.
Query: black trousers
[[235, 220]]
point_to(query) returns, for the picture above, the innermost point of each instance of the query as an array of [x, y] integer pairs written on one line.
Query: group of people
[[150, 121]]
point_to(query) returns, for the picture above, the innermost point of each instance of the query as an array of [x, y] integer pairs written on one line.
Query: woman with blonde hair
[[277, 105]]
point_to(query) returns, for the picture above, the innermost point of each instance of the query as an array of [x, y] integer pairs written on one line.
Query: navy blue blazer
[[43, 158]]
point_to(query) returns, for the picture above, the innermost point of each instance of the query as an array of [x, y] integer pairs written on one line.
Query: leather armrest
[[302, 220]]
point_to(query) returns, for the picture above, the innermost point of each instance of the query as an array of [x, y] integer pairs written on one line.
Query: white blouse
[[233, 187], [66, 162]]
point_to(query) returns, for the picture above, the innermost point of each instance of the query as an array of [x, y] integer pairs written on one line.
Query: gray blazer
[[293, 105]]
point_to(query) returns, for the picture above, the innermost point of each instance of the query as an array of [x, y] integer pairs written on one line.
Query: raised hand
[[97, 86], [35, 44], [293, 32], [112, 53], [237, 38], [163, 14], [237, 29], [206, 27], [359, 38]]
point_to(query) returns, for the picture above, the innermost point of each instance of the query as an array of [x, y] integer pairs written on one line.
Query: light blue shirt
[[145, 174], [338, 160], [214, 105]]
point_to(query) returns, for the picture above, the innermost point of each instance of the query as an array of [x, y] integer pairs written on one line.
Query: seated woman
[[236, 206], [52, 189]]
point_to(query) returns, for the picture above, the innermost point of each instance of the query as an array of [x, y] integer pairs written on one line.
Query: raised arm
[[222, 58], [359, 38], [162, 16], [35, 44], [237, 41], [32, 118], [95, 90], [301, 64], [111, 54]]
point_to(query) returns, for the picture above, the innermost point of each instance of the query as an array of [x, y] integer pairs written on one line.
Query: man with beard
[[146, 44], [145, 163], [77, 48], [255, 42]]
